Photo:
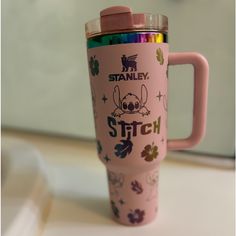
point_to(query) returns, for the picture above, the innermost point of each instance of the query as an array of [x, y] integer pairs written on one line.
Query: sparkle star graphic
[[104, 98], [159, 96], [121, 201], [106, 158]]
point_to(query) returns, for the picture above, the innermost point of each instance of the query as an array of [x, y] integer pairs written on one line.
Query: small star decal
[[106, 158], [159, 96], [104, 98], [121, 201]]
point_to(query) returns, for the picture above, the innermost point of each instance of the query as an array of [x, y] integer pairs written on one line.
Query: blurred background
[[45, 82]]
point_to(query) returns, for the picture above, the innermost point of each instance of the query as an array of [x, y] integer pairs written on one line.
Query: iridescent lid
[[121, 19]]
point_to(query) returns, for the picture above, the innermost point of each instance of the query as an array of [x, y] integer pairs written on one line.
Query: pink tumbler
[[128, 62]]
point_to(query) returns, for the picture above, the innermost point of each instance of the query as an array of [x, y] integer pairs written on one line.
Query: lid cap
[[121, 19]]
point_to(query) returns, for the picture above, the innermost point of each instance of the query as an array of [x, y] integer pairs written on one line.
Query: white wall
[[45, 82]]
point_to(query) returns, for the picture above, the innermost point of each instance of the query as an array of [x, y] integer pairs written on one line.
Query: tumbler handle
[[201, 75]]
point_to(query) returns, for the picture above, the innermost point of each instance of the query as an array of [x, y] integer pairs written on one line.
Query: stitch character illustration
[[116, 182], [130, 103], [129, 62]]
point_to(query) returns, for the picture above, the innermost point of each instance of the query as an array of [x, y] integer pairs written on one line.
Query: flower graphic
[[137, 187], [136, 216], [94, 66], [124, 148], [150, 152], [115, 210]]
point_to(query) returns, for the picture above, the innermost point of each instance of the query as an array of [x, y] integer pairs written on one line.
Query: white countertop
[[195, 200]]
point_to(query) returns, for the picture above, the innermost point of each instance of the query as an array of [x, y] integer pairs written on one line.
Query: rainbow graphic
[[123, 38]]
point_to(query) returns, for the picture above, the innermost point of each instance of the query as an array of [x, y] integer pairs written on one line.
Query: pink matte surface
[[134, 177], [133, 167], [119, 18], [201, 76]]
